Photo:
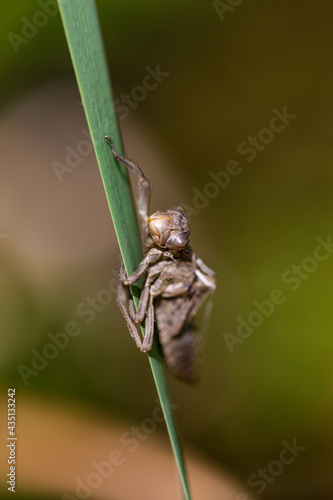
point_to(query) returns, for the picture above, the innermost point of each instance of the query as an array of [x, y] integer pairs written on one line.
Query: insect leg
[[149, 291], [144, 188], [151, 257], [125, 303], [131, 309], [145, 299], [149, 328]]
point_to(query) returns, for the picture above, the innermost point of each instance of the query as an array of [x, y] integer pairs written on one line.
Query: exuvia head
[[169, 230]]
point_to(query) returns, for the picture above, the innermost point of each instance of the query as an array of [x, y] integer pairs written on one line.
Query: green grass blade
[[84, 39]]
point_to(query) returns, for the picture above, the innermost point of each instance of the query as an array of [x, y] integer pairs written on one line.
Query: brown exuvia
[[177, 283]]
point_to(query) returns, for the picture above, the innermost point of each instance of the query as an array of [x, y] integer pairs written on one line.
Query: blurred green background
[[224, 74]]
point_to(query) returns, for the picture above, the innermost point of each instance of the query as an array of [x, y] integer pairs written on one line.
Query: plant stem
[[85, 44]]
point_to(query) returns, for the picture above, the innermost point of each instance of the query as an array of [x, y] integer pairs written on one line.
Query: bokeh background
[[225, 70]]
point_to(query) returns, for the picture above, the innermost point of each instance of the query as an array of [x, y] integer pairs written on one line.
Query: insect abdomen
[[181, 353]]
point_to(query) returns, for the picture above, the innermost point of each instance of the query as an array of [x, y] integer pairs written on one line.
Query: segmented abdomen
[[180, 348]]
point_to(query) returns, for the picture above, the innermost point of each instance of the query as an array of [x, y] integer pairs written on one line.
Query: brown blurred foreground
[[67, 450]]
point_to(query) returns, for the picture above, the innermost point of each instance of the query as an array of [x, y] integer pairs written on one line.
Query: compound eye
[[178, 241]]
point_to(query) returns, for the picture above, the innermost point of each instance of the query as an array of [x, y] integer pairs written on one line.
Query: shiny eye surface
[[169, 229], [177, 240]]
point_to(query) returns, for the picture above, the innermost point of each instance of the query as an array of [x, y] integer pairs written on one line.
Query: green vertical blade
[[85, 44]]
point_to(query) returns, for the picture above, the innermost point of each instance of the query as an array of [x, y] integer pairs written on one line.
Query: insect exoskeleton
[[169, 229], [177, 283]]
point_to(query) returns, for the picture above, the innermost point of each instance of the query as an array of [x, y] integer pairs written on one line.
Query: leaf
[[85, 44]]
